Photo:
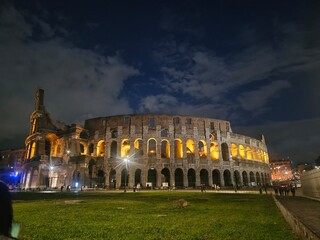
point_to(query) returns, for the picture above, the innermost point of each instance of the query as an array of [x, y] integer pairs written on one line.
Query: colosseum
[[148, 150]]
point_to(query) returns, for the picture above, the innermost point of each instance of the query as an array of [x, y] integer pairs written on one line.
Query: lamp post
[[125, 174]]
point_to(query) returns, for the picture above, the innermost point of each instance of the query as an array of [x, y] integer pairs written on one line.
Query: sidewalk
[[303, 214]]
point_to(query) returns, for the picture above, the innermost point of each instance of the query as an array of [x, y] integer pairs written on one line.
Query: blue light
[[76, 184]]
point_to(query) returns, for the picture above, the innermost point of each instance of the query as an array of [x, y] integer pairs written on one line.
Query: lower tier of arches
[[151, 177]]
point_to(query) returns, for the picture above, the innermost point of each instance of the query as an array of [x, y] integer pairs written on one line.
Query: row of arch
[[248, 153], [181, 179], [180, 150]]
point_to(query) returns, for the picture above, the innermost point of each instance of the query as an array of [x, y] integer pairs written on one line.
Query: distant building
[[10, 162], [140, 150], [281, 169]]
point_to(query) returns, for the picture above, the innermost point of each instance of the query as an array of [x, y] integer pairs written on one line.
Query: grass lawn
[[149, 215]]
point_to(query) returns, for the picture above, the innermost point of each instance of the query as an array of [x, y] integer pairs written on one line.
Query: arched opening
[[50, 144], [152, 147], [113, 149], [124, 178], [32, 150], [113, 179], [34, 124], [137, 177], [34, 179], [252, 180], [165, 149], [152, 177], [100, 148], [216, 177], [242, 152], [249, 153], [138, 147], [262, 179], [90, 149], [82, 149], [266, 179], [84, 135], [258, 179], [178, 153], [76, 178], [165, 176], [204, 177], [225, 151], [114, 133], [125, 147], [254, 154], [47, 147], [190, 147], [234, 151], [214, 151], [245, 178], [202, 147], [191, 178], [100, 180], [227, 178], [91, 168], [237, 178], [178, 177], [258, 154], [213, 136]]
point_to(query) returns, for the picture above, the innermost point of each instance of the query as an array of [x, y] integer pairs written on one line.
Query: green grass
[[149, 215]]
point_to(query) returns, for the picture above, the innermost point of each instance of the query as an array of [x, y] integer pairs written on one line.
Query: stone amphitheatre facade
[[140, 149]]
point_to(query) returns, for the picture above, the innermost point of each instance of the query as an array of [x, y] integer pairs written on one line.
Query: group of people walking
[[284, 190]]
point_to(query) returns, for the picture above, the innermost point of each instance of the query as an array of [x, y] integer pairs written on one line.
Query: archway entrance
[[100, 181], [245, 178], [137, 177], [152, 177], [204, 177], [178, 176], [112, 179], [165, 176], [191, 178], [237, 179], [227, 178], [124, 178], [216, 177]]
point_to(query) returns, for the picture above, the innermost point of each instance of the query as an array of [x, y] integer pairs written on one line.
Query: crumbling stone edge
[[298, 227]]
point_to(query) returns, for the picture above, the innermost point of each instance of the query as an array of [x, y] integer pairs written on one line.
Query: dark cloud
[[79, 82]]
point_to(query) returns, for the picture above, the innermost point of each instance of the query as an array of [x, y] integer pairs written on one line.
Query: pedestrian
[[293, 191], [276, 190], [281, 191], [6, 213], [61, 188]]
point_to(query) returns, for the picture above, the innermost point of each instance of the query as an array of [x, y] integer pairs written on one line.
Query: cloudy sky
[[254, 63]]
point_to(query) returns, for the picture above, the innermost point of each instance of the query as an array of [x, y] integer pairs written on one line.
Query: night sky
[[254, 63]]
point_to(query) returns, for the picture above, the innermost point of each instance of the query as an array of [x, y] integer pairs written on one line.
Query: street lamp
[[126, 160]]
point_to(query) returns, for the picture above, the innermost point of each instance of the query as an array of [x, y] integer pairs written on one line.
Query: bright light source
[[76, 184], [51, 167]]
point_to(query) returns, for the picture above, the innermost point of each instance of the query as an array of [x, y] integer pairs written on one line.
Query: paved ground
[[305, 209]]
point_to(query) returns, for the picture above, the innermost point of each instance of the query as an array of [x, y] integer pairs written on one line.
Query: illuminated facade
[[162, 150], [281, 170]]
